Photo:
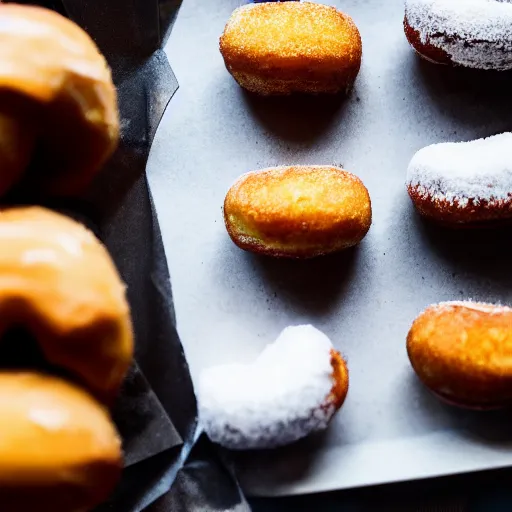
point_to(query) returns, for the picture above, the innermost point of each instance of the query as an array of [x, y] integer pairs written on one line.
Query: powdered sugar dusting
[[474, 33], [479, 170], [279, 398]]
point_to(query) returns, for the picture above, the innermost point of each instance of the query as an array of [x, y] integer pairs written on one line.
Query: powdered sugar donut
[[464, 183], [292, 389], [471, 33]]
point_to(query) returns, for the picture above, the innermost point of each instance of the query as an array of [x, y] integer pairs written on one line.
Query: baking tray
[[230, 304]]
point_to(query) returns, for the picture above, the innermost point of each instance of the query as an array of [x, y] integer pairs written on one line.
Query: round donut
[[58, 281], [465, 183], [292, 389], [58, 104], [297, 211], [462, 351], [470, 33], [59, 452], [291, 47]]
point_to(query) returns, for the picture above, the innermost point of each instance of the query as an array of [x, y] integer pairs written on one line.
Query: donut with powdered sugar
[[470, 33], [292, 389], [463, 183]]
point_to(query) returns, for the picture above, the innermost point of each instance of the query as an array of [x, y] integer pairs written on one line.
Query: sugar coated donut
[[292, 389], [287, 47], [60, 451], [58, 281], [462, 351], [464, 183], [297, 211], [471, 33]]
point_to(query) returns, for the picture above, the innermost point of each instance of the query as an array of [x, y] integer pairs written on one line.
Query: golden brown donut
[[297, 211], [59, 450], [288, 47], [462, 351], [58, 104], [58, 281]]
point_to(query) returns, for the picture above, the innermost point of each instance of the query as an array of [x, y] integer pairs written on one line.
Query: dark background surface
[[485, 492]]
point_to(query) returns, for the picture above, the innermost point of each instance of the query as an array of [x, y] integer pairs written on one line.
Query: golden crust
[[297, 211], [55, 81], [58, 281], [341, 380], [59, 451], [287, 47], [473, 213], [463, 352]]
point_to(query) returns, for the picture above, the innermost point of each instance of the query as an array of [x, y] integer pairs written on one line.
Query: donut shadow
[[290, 463], [484, 427], [482, 251], [312, 286], [476, 98], [298, 118], [429, 411]]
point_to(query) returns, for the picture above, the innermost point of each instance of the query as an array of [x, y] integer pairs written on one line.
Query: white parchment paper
[[230, 304]]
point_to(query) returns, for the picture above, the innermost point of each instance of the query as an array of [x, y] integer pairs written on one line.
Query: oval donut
[[59, 282], [471, 33], [462, 351], [58, 104], [463, 184], [59, 452], [288, 47], [297, 211], [291, 390]]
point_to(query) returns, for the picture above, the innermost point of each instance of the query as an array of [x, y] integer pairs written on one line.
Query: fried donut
[[298, 211], [463, 184], [292, 389], [471, 33], [289, 47], [58, 104], [59, 452], [58, 281], [462, 351]]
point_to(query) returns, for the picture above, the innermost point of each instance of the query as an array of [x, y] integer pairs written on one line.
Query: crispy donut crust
[[297, 211], [59, 452], [462, 351], [287, 47], [59, 282], [425, 50], [474, 214], [340, 375], [55, 82]]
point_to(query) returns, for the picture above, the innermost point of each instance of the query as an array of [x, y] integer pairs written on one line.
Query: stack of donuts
[[461, 350], [59, 123]]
